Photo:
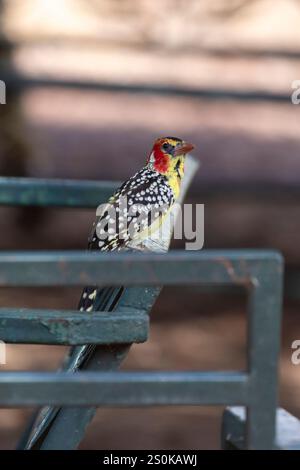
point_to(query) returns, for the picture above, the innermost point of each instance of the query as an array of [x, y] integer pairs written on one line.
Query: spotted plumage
[[139, 206], [134, 207]]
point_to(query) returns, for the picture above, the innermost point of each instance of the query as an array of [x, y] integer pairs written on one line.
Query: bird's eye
[[165, 146]]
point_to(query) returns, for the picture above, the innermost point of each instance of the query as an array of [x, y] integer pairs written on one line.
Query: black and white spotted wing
[[134, 208], [139, 203]]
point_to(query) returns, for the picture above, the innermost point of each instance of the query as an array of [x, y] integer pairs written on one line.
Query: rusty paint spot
[[232, 273]]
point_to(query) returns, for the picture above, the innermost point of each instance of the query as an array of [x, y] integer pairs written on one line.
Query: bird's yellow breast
[[174, 176]]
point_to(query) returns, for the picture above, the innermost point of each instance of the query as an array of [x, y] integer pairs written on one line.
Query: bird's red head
[[166, 152]]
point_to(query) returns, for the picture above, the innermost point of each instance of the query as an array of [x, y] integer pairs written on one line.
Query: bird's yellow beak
[[183, 148]]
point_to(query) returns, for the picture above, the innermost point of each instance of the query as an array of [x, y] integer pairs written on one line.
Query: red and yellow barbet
[[153, 190], [151, 193]]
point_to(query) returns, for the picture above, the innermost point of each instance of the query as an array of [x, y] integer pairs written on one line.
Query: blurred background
[[90, 85]]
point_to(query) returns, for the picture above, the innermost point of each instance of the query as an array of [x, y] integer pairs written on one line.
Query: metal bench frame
[[259, 271]]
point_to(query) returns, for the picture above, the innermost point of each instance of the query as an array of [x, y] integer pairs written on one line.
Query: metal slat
[[72, 327], [54, 192], [122, 388], [240, 267], [264, 324]]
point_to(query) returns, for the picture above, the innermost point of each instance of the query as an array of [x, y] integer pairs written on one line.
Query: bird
[[139, 206], [131, 215]]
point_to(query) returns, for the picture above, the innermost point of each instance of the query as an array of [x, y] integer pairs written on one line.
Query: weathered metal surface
[[55, 192], [259, 271], [73, 268], [234, 425], [67, 327], [82, 193], [123, 388], [264, 324]]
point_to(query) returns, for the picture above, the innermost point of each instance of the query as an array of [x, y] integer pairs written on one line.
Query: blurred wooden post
[[14, 150]]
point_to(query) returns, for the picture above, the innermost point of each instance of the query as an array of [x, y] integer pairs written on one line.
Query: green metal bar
[[122, 389], [75, 268], [54, 192], [81, 193], [72, 328], [263, 355]]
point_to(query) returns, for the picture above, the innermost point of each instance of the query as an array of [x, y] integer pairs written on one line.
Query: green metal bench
[[259, 272]]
